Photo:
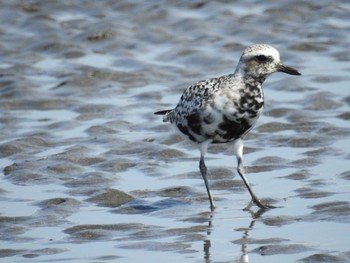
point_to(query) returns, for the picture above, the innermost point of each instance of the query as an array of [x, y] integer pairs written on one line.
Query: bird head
[[261, 60]]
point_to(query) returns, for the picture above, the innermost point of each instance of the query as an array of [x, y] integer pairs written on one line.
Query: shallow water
[[89, 174]]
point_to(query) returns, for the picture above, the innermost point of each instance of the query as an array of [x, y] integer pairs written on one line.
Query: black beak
[[288, 70]]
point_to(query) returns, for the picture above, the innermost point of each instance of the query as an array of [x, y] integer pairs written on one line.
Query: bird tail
[[165, 113]]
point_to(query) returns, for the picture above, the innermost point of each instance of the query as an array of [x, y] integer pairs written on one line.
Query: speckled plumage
[[224, 109], [219, 109]]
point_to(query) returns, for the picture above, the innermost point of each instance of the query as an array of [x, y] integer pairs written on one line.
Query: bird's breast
[[247, 102]]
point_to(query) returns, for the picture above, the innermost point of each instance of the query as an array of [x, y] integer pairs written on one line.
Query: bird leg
[[255, 199], [203, 170]]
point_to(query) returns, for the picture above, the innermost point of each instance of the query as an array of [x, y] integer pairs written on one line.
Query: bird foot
[[258, 203]]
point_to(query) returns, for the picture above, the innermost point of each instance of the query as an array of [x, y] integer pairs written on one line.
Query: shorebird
[[224, 109]]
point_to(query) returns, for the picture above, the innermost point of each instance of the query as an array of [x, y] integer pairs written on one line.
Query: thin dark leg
[[255, 199], [203, 170]]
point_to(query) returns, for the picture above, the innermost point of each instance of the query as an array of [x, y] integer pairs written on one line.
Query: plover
[[224, 109]]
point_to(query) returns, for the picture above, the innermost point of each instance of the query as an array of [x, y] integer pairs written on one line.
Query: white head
[[261, 60]]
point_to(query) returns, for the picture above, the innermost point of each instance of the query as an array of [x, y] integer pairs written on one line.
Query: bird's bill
[[288, 70]]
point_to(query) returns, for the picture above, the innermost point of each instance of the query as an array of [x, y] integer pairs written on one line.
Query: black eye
[[261, 58]]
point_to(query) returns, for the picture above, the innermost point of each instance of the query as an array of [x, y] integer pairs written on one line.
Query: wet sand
[[89, 174]]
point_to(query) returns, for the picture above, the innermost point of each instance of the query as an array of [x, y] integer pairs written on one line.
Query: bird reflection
[[244, 240], [207, 242], [207, 245]]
